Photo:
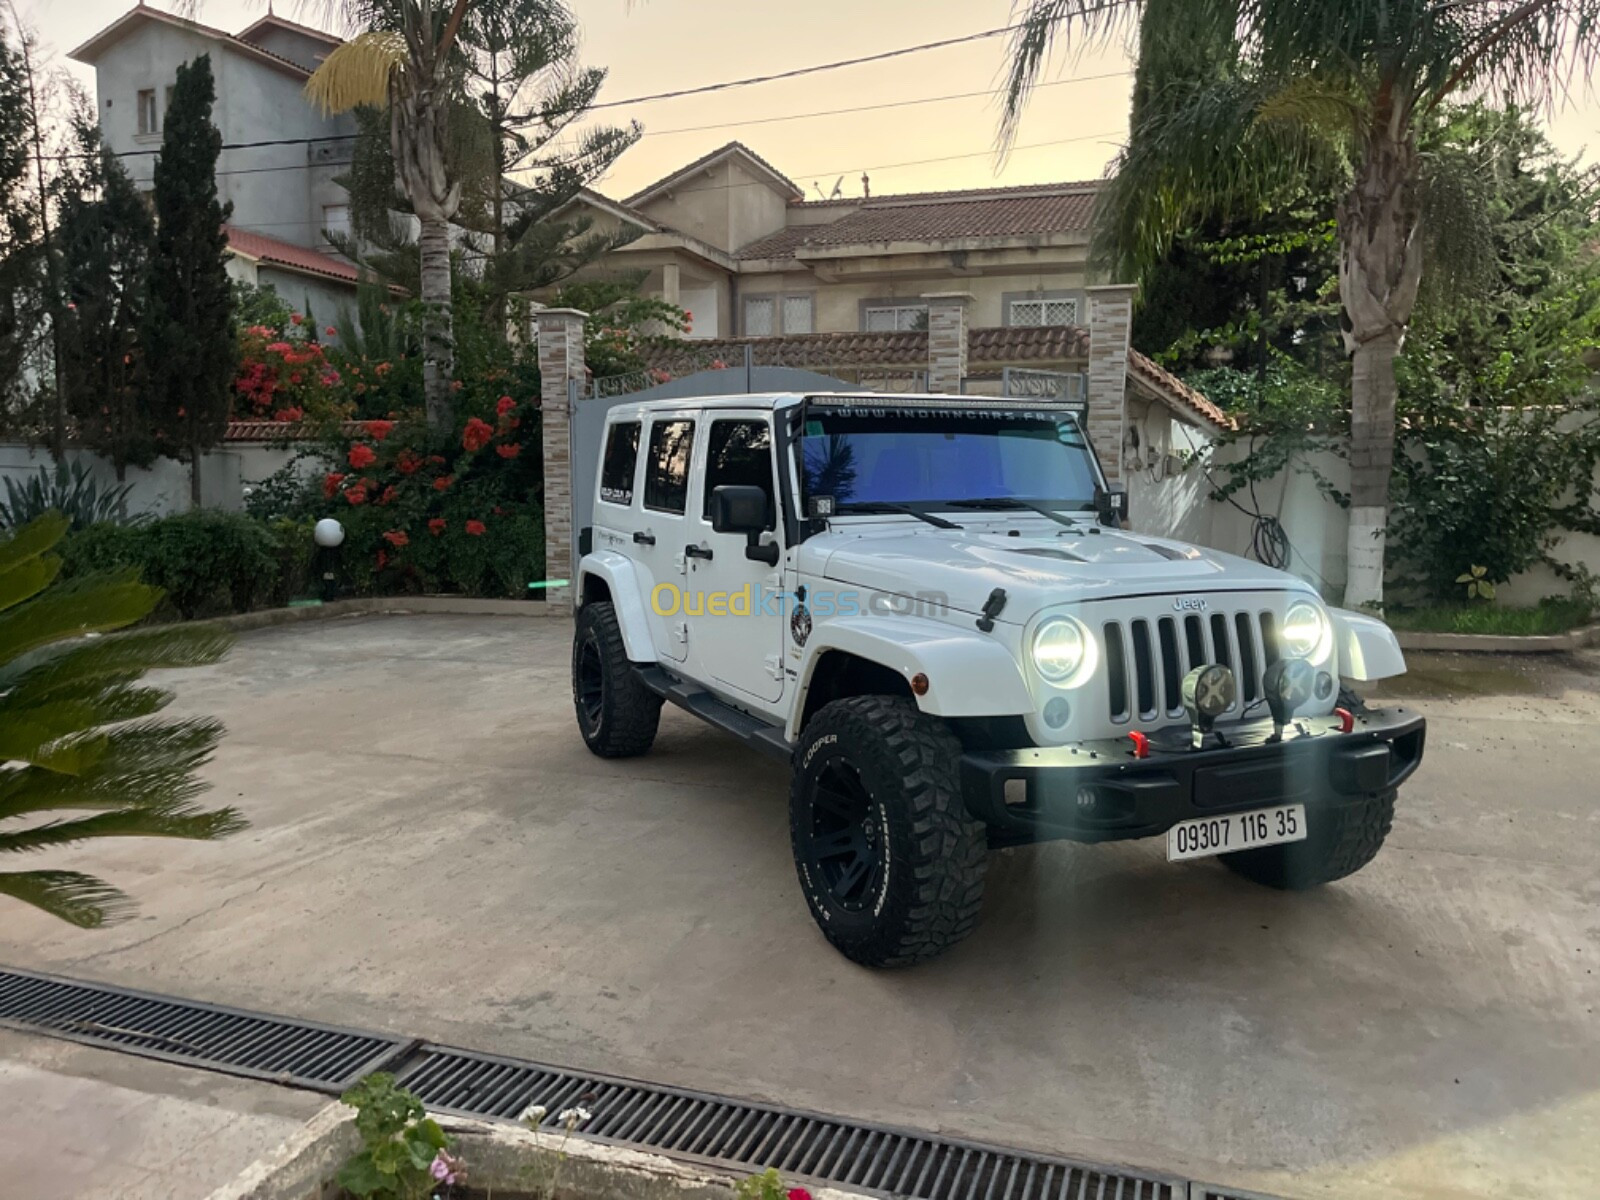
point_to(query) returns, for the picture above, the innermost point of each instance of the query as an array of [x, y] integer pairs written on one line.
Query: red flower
[[330, 485], [331, 331], [295, 377], [476, 435], [799, 1194], [297, 318], [443, 482], [476, 528], [280, 347], [378, 430], [508, 451], [455, 385], [436, 459], [383, 559], [362, 455], [408, 462], [288, 415], [504, 405], [397, 538], [436, 526], [389, 493], [514, 422], [383, 368], [356, 494]]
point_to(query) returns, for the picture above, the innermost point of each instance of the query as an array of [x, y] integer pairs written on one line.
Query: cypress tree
[[106, 236], [190, 343]]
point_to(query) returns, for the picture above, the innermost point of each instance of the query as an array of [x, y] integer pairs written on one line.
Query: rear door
[[663, 503]]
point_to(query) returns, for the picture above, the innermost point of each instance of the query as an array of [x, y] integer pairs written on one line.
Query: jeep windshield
[[875, 459]]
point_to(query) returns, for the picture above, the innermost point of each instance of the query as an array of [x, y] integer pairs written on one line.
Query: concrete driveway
[[434, 852]]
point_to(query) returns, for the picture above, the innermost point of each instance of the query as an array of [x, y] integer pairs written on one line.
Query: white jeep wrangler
[[927, 606]]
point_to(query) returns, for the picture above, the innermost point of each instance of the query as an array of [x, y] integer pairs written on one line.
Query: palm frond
[[92, 604], [1035, 38], [168, 821], [358, 72], [1325, 103], [113, 657], [78, 899], [27, 579], [32, 540], [154, 760]]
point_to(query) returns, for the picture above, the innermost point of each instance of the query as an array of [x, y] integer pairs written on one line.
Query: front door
[[735, 635]]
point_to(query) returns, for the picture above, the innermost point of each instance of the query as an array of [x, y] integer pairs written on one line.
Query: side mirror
[[738, 508], [1111, 505], [742, 508]]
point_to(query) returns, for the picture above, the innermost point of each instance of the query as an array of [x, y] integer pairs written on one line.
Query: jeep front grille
[[1146, 660]]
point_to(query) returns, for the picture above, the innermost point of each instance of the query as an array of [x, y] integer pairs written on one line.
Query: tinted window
[[740, 452], [616, 468], [867, 456], [666, 480]]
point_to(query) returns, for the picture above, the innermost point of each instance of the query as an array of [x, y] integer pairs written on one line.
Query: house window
[[758, 316], [740, 452], [148, 121], [1044, 312], [336, 218], [616, 468], [887, 318], [666, 479], [797, 314]]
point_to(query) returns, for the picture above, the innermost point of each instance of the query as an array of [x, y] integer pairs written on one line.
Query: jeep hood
[[1044, 565]]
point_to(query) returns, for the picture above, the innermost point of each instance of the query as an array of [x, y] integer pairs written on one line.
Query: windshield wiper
[[886, 506], [1051, 511]]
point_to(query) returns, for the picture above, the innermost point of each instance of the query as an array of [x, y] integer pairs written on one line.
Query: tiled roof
[[899, 349], [1163, 385], [273, 19], [276, 431], [704, 160], [274, 252], [940, 216], [90, 50]]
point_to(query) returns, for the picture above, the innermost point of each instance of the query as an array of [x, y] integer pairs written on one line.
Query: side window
[[741, 452], [666, 467], [616, 468]]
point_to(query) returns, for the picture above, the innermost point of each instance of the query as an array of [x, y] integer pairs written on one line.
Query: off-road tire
[[621, 721], [1339, 841], [934, 854]]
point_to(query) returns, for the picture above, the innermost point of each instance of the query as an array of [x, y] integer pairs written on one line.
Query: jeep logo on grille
[[1189, 604]]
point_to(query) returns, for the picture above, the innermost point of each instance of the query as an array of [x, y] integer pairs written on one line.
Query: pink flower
[[297, 319], [331, 331], [279, 347]]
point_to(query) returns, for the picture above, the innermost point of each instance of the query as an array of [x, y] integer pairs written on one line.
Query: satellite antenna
[[838, 188], [821, 195]]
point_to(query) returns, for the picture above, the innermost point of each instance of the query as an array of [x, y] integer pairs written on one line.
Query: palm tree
[[404, 60], [1237, 99], [76, 729]]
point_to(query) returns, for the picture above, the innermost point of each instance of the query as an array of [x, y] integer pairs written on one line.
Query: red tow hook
[[1347, 719], [1141, 744]]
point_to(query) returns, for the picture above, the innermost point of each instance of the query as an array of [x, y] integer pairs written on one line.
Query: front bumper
[[1098, 791]]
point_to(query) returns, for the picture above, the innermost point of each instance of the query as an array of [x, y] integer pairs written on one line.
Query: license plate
[[1202, 837]]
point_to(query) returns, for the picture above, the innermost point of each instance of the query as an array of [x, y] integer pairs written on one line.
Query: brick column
[[947, 340], [560, 361], [1110, 320]]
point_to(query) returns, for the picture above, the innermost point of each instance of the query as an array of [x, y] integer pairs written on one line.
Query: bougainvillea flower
[[330, 485], [397, 538], [504, 405], [408, 462], [356, 494], [280, 347], [477, 434], [476, 528], [389, 493], [331, 331], [443, 482], [297, 319], [378, 430], [508, 451], [362, 455], [436, 525]]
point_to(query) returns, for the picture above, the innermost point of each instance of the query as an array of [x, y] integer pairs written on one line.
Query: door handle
[[640, 538], [698, 552]]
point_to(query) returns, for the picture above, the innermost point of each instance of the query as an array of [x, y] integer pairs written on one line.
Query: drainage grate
[[749, 1137], [1210, 1191], [301, 1053]]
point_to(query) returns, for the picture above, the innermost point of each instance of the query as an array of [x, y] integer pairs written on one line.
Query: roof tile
[[279, 253]]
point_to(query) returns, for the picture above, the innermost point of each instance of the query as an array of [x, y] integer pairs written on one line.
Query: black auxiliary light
[[1208, 692], [1287, 685]]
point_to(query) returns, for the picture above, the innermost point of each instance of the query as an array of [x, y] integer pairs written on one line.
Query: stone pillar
[[670, 283], [947, 340], [1110, 320], [560, 361]]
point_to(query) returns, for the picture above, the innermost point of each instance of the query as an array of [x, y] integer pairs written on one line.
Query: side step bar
[[753, 731]]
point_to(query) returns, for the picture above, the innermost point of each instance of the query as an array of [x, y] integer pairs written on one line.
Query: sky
[[1072, 128]]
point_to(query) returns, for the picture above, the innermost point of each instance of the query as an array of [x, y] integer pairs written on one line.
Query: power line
[[835, 112], [843, 62]]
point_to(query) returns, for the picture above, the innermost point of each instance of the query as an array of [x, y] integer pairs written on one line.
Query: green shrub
[[102, 547], [293, 548]]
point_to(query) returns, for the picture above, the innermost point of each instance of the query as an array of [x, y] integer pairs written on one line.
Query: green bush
[[205, 561]]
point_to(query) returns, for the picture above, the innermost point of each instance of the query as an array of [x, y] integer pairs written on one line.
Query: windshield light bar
[[913, 400]]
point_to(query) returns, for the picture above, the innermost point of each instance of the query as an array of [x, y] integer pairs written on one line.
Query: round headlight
[[1062, 650], [1307, 632]]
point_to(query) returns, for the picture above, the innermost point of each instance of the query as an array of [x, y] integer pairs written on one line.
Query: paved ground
[[434, 852]]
